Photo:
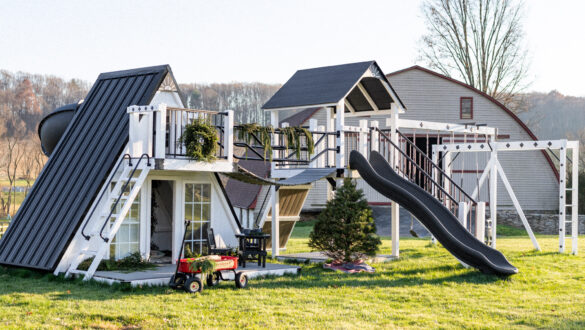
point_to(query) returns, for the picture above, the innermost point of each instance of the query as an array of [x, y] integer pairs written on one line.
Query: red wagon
[[187, 279]]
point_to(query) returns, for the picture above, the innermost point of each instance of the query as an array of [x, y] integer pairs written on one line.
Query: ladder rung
[[77, 271], [89, 252], [113, 215]]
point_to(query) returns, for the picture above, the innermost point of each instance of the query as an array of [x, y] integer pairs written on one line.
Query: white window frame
[[183, 203]]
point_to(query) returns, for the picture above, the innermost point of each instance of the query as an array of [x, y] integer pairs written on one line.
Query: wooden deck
[[162, 275]]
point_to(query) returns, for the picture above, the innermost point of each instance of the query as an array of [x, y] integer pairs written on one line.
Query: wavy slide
[[432, 213]]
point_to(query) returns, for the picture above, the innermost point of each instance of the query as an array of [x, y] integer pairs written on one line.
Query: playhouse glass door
[[127, 239], [198, 215]]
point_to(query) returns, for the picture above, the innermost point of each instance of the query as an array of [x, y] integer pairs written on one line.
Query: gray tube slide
[[52, 127], [432, 213]]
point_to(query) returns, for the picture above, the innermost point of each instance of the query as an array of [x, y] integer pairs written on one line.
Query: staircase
[[413, 164], [112, 213]]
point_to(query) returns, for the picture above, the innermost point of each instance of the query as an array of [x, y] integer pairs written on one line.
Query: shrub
[[132, 262], [345, 231]]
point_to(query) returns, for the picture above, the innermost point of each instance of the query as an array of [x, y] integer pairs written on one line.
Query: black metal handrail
[[122, 192], [181, 117], [420, 169], [435, 166], [97, 203], [254, 145], [431, 184]]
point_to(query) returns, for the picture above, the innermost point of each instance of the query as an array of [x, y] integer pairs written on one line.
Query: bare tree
[[32, 161], [480, 42], [12, 141]]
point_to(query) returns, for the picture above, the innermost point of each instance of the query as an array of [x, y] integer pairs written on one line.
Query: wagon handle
[[181, 249]]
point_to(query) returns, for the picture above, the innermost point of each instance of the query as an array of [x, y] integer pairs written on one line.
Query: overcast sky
[[224, 41]]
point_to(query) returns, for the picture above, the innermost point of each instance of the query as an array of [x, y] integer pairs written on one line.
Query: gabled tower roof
[[326, 86], [64, 191]]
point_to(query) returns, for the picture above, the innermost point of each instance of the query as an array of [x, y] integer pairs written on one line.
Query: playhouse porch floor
[[162, 274]]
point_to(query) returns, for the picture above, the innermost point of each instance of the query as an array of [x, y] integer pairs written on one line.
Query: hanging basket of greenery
[[200, 139]]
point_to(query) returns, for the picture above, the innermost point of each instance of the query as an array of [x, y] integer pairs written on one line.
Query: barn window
[[466, 108]]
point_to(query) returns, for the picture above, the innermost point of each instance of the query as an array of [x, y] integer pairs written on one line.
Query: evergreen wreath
[[200, 139]]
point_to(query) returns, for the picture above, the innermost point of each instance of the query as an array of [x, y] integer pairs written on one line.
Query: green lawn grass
[[20, 182], [426, 288]]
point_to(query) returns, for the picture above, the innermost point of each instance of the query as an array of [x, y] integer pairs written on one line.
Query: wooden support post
[[330, 158], [275, 222], [462, 213], [321, 160], [394, 162], [447, 166], [160, 127], [575, 198], [480, 221], [562, 201], [275, 124], [339, 125], [313, 128], [228, 136], [284, 153], [375, 143], [494, 198], [363, 139]]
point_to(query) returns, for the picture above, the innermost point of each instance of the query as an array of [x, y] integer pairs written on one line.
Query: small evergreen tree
[[345, 230]]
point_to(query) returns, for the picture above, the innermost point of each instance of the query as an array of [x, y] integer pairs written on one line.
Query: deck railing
[[284, 155], [178, 119]]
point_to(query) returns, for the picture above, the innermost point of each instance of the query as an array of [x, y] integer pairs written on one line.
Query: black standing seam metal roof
[[324, 85], [64, 191]]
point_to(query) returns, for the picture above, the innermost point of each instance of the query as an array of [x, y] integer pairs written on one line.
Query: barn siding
[[531, 176]]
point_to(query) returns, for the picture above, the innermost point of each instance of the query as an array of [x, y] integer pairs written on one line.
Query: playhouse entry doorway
[[161, 221]]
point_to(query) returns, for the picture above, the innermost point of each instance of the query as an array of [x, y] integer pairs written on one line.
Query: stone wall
[[543, 223]]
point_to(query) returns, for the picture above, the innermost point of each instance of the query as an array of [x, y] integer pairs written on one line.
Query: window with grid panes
[[198, 215]]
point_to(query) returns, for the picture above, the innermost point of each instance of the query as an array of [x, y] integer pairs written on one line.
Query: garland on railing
[[264, 134], [200, 139], [292, 137]]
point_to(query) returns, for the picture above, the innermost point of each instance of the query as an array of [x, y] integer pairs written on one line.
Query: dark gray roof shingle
[[324, 85]]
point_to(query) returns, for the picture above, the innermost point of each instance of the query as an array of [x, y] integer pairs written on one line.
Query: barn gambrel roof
[[64, 191]]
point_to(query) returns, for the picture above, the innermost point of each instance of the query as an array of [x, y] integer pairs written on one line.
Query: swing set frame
[[494, 169]]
